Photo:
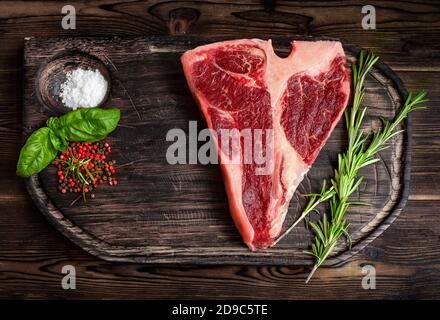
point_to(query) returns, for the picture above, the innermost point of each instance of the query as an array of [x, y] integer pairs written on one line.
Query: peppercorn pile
[[83, 167]]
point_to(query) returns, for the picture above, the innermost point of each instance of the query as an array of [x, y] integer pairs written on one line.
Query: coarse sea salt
[[83, 89]]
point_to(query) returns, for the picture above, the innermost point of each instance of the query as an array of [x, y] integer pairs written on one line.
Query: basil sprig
[[83, 125], [37, 153]]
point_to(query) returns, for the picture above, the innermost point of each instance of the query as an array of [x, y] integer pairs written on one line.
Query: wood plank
[[408, 44], [405, 257], [410, 28], [425, 137], [398, 39]]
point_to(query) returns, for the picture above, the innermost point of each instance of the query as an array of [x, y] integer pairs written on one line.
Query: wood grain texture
[[162, 213], [406, 255]]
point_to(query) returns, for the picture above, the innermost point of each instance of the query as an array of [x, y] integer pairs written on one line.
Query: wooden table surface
[[406, 256]]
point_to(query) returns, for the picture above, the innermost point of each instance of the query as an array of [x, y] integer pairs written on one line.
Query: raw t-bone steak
[[243, 84]]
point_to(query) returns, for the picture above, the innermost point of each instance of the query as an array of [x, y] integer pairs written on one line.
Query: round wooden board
[[162, 213]]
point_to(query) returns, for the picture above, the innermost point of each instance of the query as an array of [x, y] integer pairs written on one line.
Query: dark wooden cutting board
[[161, 213]]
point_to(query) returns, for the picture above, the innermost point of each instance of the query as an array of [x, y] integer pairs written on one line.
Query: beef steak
[[294, 101]]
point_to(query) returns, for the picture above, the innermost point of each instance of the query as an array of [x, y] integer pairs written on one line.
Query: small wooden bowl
[[54, 73]]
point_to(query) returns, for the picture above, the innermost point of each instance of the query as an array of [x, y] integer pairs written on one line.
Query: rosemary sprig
[[359, 154], [315, 200]]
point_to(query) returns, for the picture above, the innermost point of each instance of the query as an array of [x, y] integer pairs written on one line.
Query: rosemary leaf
[[359, 154]]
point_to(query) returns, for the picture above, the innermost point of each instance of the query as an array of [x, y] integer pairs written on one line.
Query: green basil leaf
[[52, 122], [57, 142], [36, 154], [89, 125]]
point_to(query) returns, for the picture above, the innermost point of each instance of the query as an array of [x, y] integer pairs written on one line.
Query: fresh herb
[[346, 181], [315, 200], [84, 166], [37, 153], [80, 125], [361, 152], [91, 124]]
